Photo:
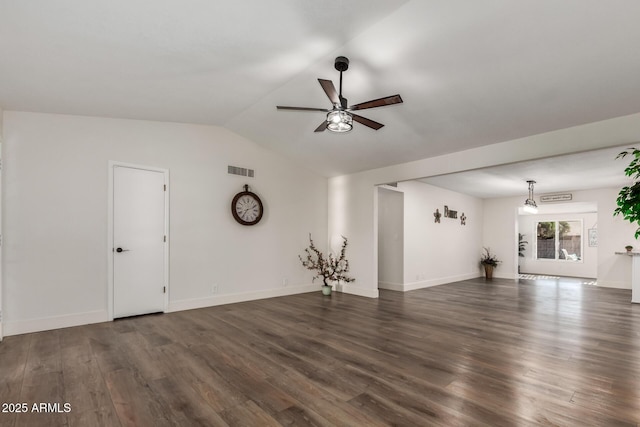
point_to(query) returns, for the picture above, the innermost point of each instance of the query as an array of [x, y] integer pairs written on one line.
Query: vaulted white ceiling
[[471, 72]]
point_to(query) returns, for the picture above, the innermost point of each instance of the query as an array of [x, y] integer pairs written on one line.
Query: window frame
[[557, 240]]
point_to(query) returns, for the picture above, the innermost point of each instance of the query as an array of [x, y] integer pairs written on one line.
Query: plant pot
[[488, 271], [629, 248], [326, 290]]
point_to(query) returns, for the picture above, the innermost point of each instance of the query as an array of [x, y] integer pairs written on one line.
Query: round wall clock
[[246, 207]]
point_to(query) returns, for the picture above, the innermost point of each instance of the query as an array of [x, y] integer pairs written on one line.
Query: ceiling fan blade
[[367, 122], [322, 127], [389, 100], [280, 107], [330, 90]]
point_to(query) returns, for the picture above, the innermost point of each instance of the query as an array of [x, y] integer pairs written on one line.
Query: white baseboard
[[190, 304], [78, 319], [510, 276], [391, 286], [54, 322], [354, 290], [614, 284], [434, 282]]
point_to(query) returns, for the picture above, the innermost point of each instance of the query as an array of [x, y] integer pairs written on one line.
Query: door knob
[[122, 250]]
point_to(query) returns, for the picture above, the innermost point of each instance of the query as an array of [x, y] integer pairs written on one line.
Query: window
[[559, 240]]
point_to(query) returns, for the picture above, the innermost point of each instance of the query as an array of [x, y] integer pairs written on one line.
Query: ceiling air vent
[[235, 170]]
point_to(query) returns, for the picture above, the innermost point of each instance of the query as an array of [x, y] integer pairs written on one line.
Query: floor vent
[[235, 170]]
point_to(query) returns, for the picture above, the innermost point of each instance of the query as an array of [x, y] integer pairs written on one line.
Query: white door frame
[[110, 247]]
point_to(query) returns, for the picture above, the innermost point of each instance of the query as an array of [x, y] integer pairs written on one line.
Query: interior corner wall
[[499, 234], [55, 216], [353, 213], [390, 239], [439, 252]]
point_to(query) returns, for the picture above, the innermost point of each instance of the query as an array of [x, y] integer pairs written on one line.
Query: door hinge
[[165, 187], [165, 238], [164, 289]]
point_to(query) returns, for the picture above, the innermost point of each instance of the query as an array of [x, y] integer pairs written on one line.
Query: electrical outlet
[[214, 288], [285, 281]]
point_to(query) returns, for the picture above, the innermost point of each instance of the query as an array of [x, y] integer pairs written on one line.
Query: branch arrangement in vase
[[332, 268]]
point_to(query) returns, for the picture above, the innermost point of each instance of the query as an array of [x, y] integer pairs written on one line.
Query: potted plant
[[332, 269], [522, 246], [489, 261], [628, 200], [629, 248]]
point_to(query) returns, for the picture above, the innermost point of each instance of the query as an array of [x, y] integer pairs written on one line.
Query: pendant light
[[530, 204]]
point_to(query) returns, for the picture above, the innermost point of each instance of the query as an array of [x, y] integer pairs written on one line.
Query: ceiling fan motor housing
[[342, 63]]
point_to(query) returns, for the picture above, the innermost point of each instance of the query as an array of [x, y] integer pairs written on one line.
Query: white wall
[[55, 216], [586, 267], [444, 252], [353, 199], [500, 234], [1, 186], [390, 238], [613, 235]]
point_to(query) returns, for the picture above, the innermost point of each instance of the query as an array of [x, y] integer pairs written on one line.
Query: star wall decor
[[437, 216], [463, 219]]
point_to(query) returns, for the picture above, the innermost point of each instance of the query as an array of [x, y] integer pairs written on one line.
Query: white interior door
[[138, 241]]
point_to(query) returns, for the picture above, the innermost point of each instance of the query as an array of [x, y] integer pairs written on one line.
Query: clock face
[[246, 208]]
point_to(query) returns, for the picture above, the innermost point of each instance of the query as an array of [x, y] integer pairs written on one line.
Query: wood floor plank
[[296, 416], [134, 402], [185, 403], [42, 388], [195, 371], [249, 414], [13, 354], [476, 352], [84, 385], [320, 399], [388, 412], [44, 353]]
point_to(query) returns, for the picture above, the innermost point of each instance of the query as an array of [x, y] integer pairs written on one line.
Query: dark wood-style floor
[[500, 353]]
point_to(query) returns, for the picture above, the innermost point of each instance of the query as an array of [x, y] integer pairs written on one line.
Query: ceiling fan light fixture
[[339, 121], [530, 205]]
